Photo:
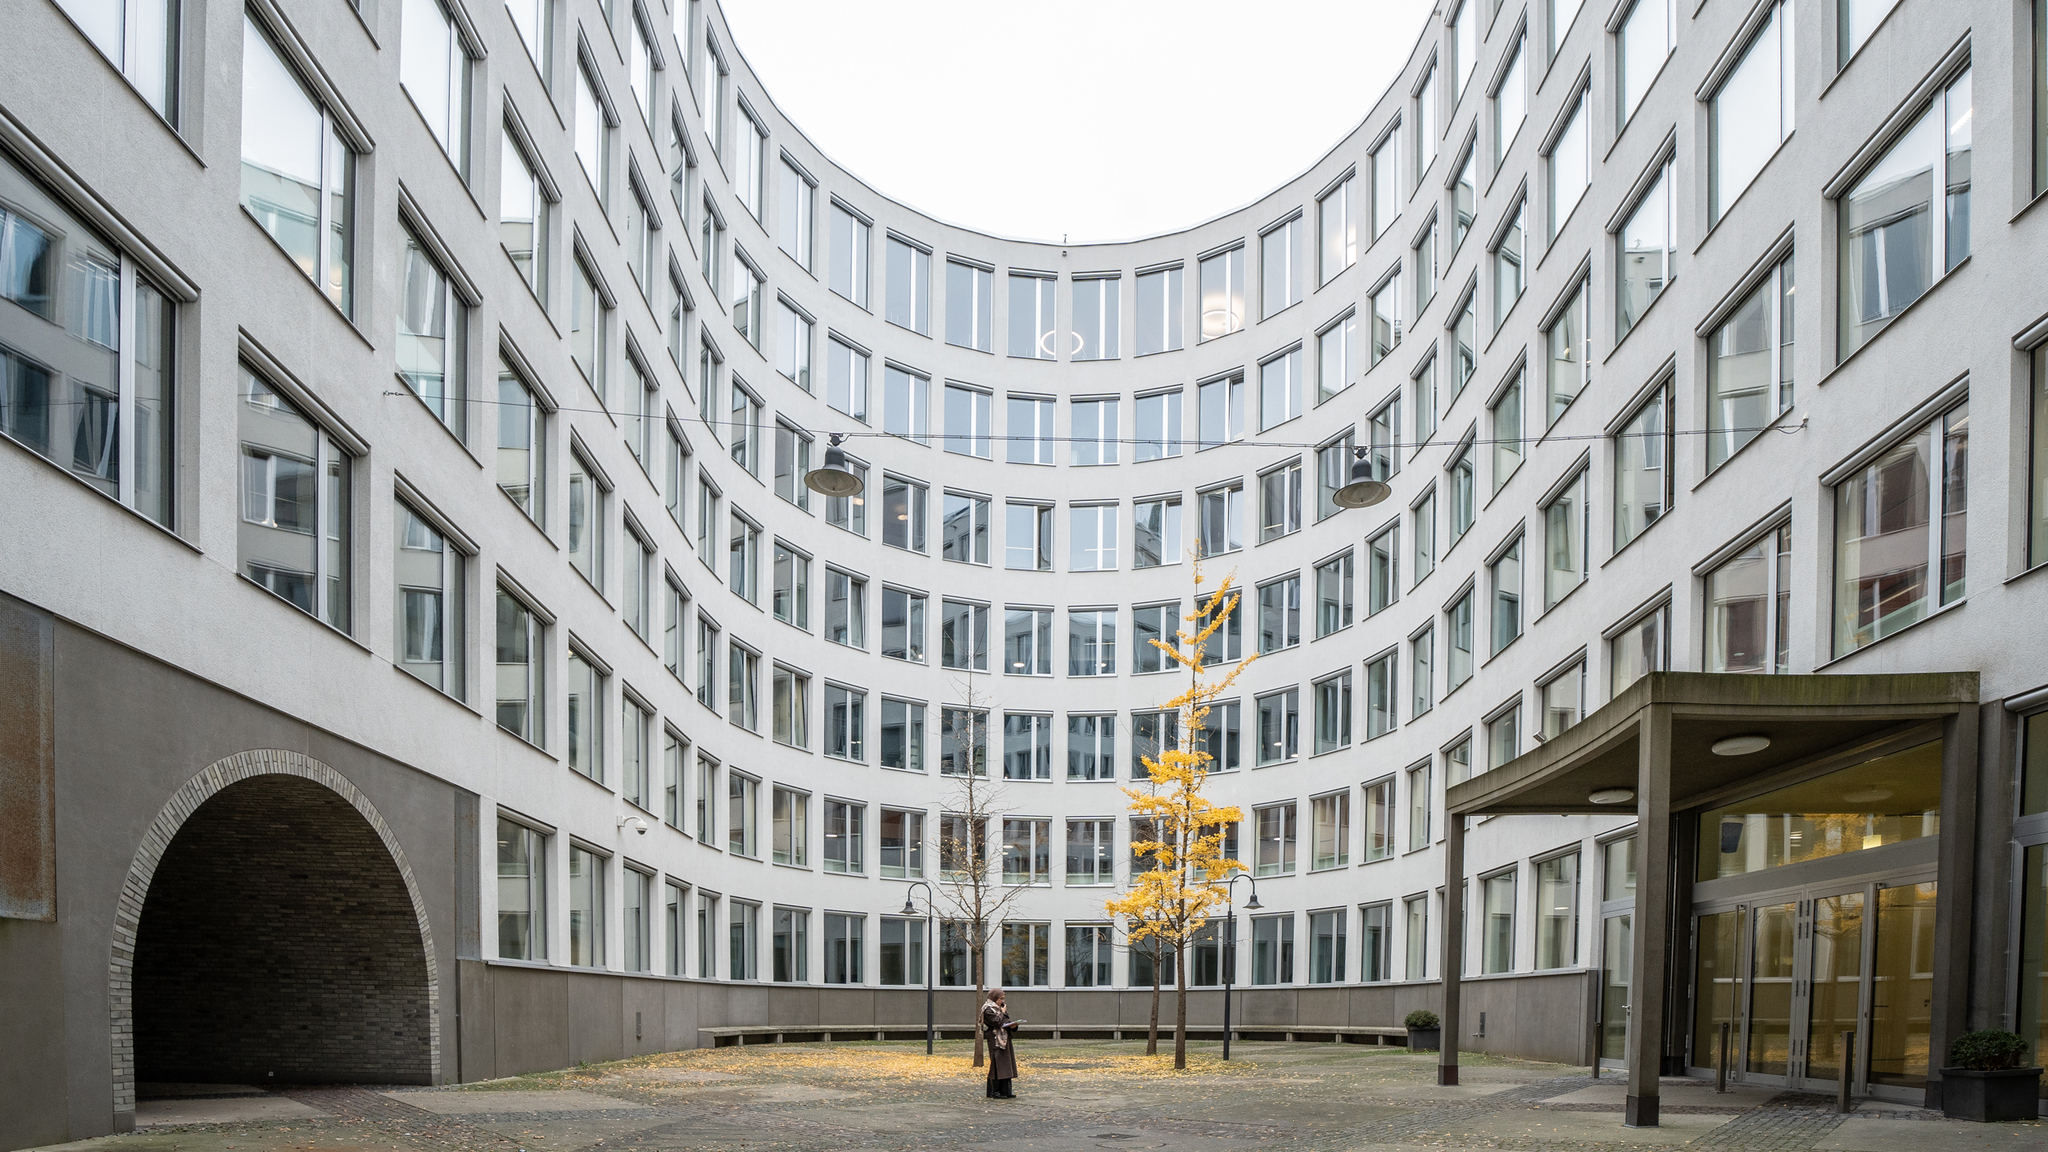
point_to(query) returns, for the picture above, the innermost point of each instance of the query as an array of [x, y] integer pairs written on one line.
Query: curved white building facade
[[461, 425]]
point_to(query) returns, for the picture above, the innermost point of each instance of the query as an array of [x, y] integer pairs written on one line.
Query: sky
[[1075, 120]]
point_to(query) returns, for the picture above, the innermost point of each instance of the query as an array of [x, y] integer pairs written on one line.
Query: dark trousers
[[1001, 1089]]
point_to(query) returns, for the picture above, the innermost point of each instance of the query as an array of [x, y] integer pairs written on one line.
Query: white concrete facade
[[168, 191]]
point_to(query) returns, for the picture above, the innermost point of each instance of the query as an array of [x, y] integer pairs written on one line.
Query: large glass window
[[1642, 646], [1027, 537], [522, 892], [902, 844], [1273, 949], [1222, 293], [909, 274], [1098, 313], [1648, 244], [1029, 429], [963, 635], [1497, 938], [1333, 712], [298, 171], [902, 741], [1091, 642], [1566, 541], [141, 40], [2037, 486], [1510, 101], [789, 819], [586, 711], [846, 613], [1749, 366], [963, 529], [1027, 642], [1426, 129], [1027, 747], [433, 66], [523, 215], [593, 138], [963, 748], [1749, 607], [1280, 614], [586, 907], [903, 625], [845, 730], [845, 948], [1569, 345], [790, 707], [1032, 317], [1381, 692], [1336, 356], [1222, 517], [796, 199], [1280, 502], [970, 305], [1157, 534], [1337, 228], [1219, 414], [1458, 631], [1093, 439], [1280, 257], [1330, 827], [296, 535], [848, 240], [904, 513], [1333, 595], [1563, 700], [1160, 311], [968, 412], [1027, 959], [901, 953], [1509, 277], [846, 379], [1880, 802], [1505, 580], [1091, 755], [1751, 112], [1896, 557], [520, 663], [1092, 543], [429, 602], [1386, 181], [1855, 21], [1647, 35], [1642, 473], [1276, 825], [1907, 221], [1279, 726], [1571, 165]]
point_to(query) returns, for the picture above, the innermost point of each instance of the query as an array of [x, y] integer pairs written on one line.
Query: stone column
[[1648, 959], [1452, 955]]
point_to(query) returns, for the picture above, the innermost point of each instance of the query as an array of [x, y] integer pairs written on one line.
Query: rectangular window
[[1569, 356], [1421, 804], [902, 735], [1906, 223], [743, 553], [1330, 827], [1089, 954], [433, 337], [429, 598], [792, 464], [1027, 849], [1027, 747], [1093, 439], [790, 701], [849, 255], [296, 536], [742, 798], [1750, 114], [1219, 739], [970, 305], [1158, 426], [1509, 274], [845, 609], [901, 954], [1276, 825], [678, 901], [1386, 182], [743, 686], [1032, 316], [1027, 642], [1421, 671], [298, 170], [1152, 733], [1026, 955], [712, 258], [1279, 614], [520, 684], [1280, 502], [675, 755], [1379, 819], [1333, 472], [1647, 35], [1157, 534], [586, 907], [1504, 737], [1381, 693], [909, 274], [903, 513], [1386, 316], [1027, 537], [903, 625], [1427, 127], [1092, 542], [1504, 576], [1338, 229], [1571, 165], [1749, 366], [1273, 949], [963, 529], [1280, 389], [1424, 265], [747, 288], [1280, 257], [707, 799], [743, 940], [1376, 933], [1510, 101], [1219, 414], [1464, 333], [590, 322], [1160, 317], [1030, 429], [963, 635], [1279, 726], [1647, 245], [642, 239], [634, 721], [796, 203], [845, 723], [963, 742], [1336, 355], [793, 336], [708, 634], [1497, 941], [1091, 755], [902, 844], [593, 125], [1643, 481], [1564, 700], [523, 214], [790, 814], [1098, 309], [1222, 293], [1458, 634], [1423, 530], [790, 945], [1424, 386], [967, 421], [1640, 648], [1383, 569], [1415, 912], [845, 948], [1326, 947], [1506, 418], [1566, 524], [1899, 532], [636, 900], [1333, 712], [522, 892], [1333, 595], [1222, 512], [846, 379]]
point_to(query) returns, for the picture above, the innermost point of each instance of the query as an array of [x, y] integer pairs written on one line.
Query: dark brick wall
[[278, 944]]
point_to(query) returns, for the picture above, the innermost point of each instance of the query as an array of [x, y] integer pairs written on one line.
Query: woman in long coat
[[1002, 1053]]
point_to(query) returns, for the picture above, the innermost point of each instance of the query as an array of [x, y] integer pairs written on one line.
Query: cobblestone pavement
[[1072, 1096]]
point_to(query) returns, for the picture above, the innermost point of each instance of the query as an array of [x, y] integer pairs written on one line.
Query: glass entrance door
[[1768, 1033], [1902, 991], [1616, 955], [1834, 991]]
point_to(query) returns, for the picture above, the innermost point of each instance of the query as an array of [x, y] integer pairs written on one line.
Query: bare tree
[[970, 888]]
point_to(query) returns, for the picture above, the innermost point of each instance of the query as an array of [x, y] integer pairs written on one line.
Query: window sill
[[1930, 618], [792, 867]]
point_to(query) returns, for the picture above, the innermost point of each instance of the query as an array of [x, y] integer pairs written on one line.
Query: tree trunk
[[1152, 1037], [980, 994], [1180, 1015]]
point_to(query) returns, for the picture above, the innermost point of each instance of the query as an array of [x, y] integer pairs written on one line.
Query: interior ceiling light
[[833, 478], [1363, 491], [1611, 795], [1741, 745]]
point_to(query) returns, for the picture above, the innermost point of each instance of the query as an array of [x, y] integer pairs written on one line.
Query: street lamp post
[[1230, 945], [910, 909]]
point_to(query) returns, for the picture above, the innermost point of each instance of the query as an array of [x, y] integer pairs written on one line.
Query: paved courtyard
[[1072, 1095]]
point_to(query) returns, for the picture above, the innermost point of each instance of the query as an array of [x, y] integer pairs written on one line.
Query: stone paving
[[1071, 1096]]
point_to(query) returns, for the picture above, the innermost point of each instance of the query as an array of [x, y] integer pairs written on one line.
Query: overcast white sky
[[1083, 119]]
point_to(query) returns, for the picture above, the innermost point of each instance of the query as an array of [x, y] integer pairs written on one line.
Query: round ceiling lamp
[[1741, 745], [833, 478], [1364, 491], [1611, 796]]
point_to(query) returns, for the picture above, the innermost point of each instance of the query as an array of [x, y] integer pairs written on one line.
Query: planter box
[[2008, 1094], [1424, 1039]]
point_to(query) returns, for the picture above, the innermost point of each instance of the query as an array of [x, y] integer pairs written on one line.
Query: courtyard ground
[[1071, 1096]]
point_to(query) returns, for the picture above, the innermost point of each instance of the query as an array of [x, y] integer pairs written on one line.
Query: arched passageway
[[278, 942]]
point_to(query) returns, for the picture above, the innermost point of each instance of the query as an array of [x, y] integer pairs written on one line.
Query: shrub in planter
[[1424, 1030], [1987, 1078]]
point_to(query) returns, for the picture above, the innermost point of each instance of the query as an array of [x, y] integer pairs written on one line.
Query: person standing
[[1002, 1052]]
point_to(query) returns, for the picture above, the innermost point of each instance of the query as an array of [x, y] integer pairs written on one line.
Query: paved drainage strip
[[429, 1129]]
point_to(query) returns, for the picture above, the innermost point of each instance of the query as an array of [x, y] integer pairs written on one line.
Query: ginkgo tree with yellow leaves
[[1170, 902]]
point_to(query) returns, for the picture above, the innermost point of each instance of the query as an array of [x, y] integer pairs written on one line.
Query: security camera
[[635, 823]]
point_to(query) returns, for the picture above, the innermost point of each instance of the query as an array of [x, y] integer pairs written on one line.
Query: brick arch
[[150, 855]]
